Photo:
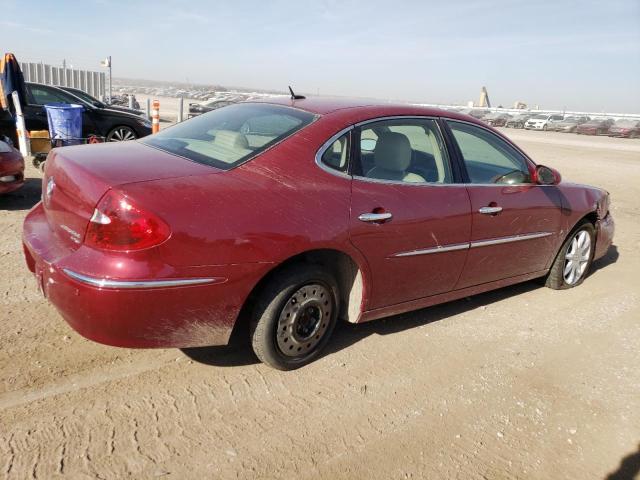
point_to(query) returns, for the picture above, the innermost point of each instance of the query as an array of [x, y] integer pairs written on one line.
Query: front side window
[[409, 151], [488, 158], [43, 96], [227, 137]]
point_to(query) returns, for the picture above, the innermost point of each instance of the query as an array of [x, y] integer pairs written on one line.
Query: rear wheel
[[570, 267], [294, 317], [121, 134]]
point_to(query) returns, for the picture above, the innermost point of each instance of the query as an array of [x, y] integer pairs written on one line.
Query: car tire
[[571, 265], [544, 128], [294, 317], [121, 133], [633, 135]]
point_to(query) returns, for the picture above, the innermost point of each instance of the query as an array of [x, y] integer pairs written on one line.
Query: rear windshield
[[229, 136]]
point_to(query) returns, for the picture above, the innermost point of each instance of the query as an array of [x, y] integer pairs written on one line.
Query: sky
[[575, 55]]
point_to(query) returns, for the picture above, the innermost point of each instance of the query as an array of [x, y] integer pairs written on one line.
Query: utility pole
[[107, 63], [110, 83]]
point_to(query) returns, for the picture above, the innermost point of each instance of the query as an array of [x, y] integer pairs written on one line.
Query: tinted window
[[229, 136], [43, 95], [488, 158], [337, 155], [408, 151]]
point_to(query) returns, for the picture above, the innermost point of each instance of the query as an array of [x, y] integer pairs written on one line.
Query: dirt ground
[[524, 382]]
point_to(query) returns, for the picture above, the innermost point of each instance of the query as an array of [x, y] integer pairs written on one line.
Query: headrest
[[231, 140], [392, 152]]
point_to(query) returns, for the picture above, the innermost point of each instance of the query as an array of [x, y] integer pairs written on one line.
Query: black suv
[[112, 125]]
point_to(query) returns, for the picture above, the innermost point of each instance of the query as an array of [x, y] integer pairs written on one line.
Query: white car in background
[[542, 121]]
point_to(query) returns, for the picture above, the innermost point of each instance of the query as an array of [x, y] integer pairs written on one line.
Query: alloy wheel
[[577, 257], [121, 134], [304, 320]]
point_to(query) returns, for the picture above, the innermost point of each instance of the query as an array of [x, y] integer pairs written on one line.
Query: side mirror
[[547, 176]]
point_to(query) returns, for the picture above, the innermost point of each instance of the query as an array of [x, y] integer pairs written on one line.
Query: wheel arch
[[348, 272], [591, 217]]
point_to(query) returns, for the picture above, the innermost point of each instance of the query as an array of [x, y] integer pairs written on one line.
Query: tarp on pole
[[11, 80]]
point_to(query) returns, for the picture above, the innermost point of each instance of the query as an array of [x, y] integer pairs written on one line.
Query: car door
[[515, 223], [408, 217], [40, 95]]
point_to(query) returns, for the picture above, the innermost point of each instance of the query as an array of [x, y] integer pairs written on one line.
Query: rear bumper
[[186, 307], [605, 229]]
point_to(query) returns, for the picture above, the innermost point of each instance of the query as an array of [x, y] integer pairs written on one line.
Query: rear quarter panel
[[266, 210]]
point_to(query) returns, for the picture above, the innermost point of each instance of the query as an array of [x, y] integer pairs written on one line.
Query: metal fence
[[94, 83]]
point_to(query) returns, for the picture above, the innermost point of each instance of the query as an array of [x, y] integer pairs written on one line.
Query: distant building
[[484, 98]]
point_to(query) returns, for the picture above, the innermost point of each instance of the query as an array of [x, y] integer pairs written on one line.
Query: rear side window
[[403, 150], [336, 156], [227, 137]]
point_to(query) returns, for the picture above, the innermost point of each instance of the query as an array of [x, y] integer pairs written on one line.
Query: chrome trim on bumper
[[514, 238], [132, 284]]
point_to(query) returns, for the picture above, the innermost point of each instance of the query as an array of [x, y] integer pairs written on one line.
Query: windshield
[[86, 97], [227, 137]]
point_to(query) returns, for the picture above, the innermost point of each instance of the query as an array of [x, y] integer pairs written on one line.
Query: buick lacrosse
[[293, 214]]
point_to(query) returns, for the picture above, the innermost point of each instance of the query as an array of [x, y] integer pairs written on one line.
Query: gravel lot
[[524, 382]]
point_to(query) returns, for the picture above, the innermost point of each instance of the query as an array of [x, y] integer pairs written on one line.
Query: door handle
[[375, 217], [490, 210]]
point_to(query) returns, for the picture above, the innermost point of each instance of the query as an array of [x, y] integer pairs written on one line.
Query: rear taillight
[[118, 224]]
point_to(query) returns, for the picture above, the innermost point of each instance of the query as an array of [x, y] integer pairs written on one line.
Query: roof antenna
[[294, 96]]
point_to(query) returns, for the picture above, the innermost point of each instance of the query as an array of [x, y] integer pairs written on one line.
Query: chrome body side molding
[[475, 244], [513, 238], [428, 251], [133, 284]]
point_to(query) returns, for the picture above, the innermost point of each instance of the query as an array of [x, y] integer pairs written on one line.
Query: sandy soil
[[524, 382]]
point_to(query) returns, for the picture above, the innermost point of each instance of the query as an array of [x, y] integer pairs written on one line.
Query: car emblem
[[51, 185]]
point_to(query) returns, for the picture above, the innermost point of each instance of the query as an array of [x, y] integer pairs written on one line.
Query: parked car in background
[[11, 167], [496, 119], [543, 121], [518, 120], [112, 125], [196, 109], [123, 101], [98, 104], [299, 213], [477, 113], [597, 126], [569, 124], [625, 128]]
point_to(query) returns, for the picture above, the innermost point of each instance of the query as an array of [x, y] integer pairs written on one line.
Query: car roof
[[325, 105]]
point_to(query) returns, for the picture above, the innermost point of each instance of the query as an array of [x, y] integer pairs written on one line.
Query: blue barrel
[[65, 122]]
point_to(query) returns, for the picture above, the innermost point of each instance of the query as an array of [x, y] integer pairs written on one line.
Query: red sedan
[[11, 168], [293, 214]]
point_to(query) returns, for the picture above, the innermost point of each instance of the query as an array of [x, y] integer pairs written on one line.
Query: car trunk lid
[[77, 177]]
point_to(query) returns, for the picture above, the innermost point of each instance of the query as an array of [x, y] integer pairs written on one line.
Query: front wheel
[[121, 134], [294, 317], [570, 267]]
